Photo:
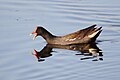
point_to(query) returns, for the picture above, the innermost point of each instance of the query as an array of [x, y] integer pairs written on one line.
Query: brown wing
[[81, 33], [88, 32]]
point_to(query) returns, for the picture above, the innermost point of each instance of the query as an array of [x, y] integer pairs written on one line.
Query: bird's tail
[[97, 33]]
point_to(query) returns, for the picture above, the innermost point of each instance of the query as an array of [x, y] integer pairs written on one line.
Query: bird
[[86, 35]]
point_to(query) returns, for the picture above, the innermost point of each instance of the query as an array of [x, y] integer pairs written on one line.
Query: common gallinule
[[86, 35]]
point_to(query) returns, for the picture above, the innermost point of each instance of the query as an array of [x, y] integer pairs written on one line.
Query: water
[[19, 18]]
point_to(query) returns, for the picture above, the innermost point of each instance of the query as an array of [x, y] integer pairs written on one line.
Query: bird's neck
[[47, 36]]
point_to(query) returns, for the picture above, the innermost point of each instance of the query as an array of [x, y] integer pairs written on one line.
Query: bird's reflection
[[89, 51]]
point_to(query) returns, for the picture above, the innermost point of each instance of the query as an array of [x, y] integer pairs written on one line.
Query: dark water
[[19, 18]]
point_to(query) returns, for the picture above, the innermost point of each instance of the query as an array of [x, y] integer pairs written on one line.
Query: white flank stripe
[[70, 39]]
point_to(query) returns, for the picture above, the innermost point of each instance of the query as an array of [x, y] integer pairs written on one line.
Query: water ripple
[[18, 19]]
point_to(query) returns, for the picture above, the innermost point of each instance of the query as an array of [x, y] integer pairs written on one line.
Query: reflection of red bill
[[35, 53]]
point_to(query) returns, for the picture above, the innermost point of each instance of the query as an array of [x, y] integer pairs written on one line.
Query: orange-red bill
[[34, 32], [34, 35]]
